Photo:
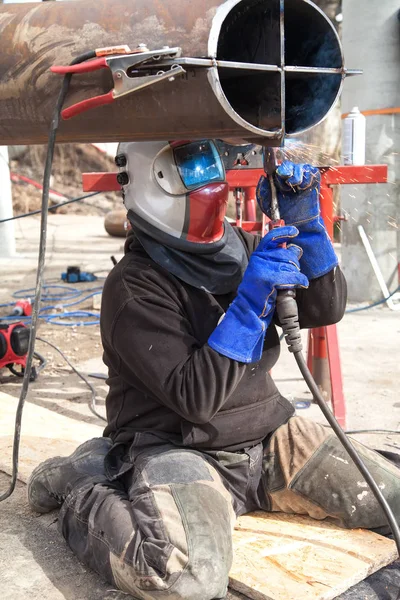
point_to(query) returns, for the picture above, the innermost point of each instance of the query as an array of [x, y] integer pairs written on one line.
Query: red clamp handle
[[85, 105], [86, 67]]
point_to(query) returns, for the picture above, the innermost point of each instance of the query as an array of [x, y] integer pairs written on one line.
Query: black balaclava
[[216, 271]]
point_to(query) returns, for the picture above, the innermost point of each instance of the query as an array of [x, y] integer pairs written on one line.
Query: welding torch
[[286, 306], [270, 166]]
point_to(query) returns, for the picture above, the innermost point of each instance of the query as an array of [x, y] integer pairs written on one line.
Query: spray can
[[353, 141]]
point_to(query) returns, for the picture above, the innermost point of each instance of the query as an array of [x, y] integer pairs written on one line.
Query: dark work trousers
[[160, 524]]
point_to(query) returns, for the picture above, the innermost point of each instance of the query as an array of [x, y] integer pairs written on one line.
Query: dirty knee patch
[[207, 519], [176, 466], [332, 481]]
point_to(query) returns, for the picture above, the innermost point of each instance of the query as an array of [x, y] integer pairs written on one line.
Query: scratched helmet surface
[[176, 192]]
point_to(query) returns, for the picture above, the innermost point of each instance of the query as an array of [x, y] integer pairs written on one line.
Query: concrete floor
[[71, 240], [34, 561]]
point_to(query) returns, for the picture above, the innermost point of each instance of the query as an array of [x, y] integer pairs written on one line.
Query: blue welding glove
[[298, 189], [240, 335]]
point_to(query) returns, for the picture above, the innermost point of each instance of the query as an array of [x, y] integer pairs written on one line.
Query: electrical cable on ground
[[353, 310], [98, 376], [53, 207], [95, 293], [354, 431], [42, 364], [287, 310], [92, 402], [57, 318], [40, 270], [69, 293], [42, 361]]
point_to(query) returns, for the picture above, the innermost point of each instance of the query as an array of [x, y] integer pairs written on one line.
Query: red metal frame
[[348, 174], [323, 341]]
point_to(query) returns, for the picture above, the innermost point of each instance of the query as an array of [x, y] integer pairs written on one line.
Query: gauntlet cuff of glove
[[319, 256], [240, 335]]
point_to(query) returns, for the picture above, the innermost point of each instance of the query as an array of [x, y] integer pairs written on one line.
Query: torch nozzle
[[270, 165]]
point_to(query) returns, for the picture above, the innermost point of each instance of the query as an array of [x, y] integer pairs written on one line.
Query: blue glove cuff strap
[[247, 328]]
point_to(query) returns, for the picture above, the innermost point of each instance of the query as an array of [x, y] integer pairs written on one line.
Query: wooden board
[[44, 434], [289, 557], [276, 556]]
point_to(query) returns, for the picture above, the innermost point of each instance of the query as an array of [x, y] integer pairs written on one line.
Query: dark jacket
[[163, 376]]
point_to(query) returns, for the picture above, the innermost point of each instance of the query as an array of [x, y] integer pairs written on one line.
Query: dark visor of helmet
[[199, 163]]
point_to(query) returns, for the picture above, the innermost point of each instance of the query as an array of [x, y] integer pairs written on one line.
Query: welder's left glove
[[241, 333], [298, 189]]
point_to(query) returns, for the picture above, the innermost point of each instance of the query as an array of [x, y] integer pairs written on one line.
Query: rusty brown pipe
[[206, 102]]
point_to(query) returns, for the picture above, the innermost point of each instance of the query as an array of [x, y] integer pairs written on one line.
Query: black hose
[[54, 207], [42, 361], [98, 376], [389, 431], [40, 269], [287, 310], [345, 441], [92, 402]]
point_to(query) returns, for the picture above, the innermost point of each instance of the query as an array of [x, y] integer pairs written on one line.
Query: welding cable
[[353, 310], [79, 314], [54, 195], [94, 293], [391, 431], [40, 269], [42, 364], [287, 311], [79, 301], [69, 293], [92, 402], [98, 376], [42, 361], [54, 207], [56, 319], [49, 298]]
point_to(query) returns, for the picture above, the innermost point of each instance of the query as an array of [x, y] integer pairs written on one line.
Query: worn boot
[[54, 478]]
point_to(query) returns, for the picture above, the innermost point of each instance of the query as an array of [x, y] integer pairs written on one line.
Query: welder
[[198, 432]]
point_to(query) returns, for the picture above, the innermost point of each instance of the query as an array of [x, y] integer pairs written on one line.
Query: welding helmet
[[176, 192]]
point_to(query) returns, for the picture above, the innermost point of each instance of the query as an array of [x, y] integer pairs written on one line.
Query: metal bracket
[[126, 74]]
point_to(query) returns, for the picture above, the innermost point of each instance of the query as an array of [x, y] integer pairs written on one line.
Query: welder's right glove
[[298, 189], [240, 335]]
